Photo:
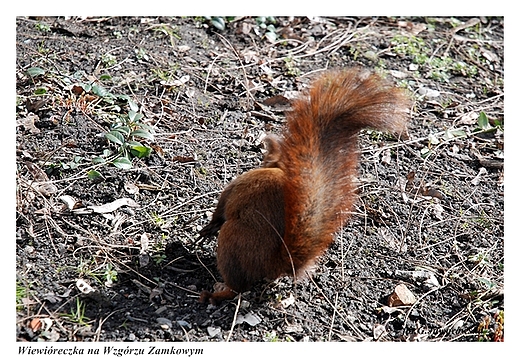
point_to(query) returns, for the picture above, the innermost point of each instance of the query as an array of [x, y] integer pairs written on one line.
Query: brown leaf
[[35, 324]]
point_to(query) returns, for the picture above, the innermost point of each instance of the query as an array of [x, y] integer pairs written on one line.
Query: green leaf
[[140, 151], [487, 282], [100, 91], [115, 137], [483, 121], [40, 90], [105, 77], [35, 71], [134, 116], [86, 87], [133, 143], [93, 174], [452, 133], [271, 36], [123, 130], [133, 106], [218, 22], [98, 160], [146, 127], [142, 133], [122, 163]]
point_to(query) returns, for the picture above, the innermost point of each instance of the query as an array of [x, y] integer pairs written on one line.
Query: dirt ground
[[129, 128]]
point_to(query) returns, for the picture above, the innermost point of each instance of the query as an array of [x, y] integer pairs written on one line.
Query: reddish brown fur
[[277, 220]]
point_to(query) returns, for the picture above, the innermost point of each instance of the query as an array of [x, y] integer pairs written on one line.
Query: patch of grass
[[105, 275], [167, 75], [412, 46], [21, 293], [439, 68], [171, 31], [77, 313]]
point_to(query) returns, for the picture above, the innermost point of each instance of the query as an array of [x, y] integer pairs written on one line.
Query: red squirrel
[[278, 219]]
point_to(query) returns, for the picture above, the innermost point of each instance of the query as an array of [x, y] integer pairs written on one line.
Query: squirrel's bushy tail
[[320, 153]]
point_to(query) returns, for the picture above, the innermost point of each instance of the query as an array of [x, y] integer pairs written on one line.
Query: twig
[[239, 302]]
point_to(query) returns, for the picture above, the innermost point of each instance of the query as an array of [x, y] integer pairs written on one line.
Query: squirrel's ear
[[272, 144]]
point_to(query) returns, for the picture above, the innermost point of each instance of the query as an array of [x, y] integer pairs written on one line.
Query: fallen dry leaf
[[35, 324]]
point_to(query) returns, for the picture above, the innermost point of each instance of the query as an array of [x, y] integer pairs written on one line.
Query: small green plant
[[73, 163], [141, 54], [479, 259], [109, 275], [158, 258], [290, 67], [171, 31], [271, 337], [123, 135], [166, 75], [157, 250], [483, 124], [105, 275], [125, 129], [41, 26], [77, 313], [266, 23], [42, 49], [108, 59], [56, 168], [411, 46], [21, 293], [203, 171], [219, 22], [157, 219], [440, 68]]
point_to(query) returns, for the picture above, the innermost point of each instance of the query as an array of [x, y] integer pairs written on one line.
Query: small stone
[[214, 331], [401, 296]]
